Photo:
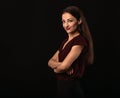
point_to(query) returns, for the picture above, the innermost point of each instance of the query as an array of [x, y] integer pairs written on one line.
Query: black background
[[31, 32]]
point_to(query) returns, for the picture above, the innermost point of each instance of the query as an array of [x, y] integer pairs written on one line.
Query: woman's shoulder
[[80, 40]]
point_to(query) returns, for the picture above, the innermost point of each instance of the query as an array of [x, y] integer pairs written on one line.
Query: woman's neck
[[71, 36]]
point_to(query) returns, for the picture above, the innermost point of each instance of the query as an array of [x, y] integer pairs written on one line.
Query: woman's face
[[69, 22]]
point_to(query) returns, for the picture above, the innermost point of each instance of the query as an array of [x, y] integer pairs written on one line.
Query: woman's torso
[[79, 64]]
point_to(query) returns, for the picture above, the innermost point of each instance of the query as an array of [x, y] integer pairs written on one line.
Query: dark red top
[[79, 64]]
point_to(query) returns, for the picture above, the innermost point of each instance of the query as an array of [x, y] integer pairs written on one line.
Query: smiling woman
[[68, 62]]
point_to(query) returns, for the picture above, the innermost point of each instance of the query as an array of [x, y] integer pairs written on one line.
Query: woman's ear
[[80, 21]]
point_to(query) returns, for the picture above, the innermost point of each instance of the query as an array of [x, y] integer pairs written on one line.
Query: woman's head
[[71, 19]]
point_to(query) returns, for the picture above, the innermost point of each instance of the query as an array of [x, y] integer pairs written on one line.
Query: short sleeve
[[80, 41]]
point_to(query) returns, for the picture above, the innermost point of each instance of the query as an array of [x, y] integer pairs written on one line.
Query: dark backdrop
[[30, 34]]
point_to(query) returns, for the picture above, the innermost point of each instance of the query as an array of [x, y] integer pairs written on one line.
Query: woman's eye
[[63, 21], [70, 20]]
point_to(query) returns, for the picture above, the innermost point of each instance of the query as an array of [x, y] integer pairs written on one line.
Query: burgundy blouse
[[79, 64]]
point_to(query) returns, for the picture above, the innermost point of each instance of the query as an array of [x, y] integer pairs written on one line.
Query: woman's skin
[[70, 24]]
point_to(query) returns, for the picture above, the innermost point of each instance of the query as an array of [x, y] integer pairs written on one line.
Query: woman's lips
[[67, 28]]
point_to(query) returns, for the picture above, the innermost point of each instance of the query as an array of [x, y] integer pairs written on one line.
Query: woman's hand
[[70, 71]]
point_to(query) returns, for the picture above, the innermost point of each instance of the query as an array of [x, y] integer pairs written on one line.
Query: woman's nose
[[66, 24]]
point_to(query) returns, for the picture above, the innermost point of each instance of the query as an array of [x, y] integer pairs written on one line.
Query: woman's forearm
[[60, 69], [53, 63]]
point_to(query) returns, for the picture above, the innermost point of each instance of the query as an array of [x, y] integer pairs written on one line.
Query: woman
[[68, 63]]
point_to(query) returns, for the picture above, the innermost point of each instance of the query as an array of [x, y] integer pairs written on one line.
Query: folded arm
[[53, 62], [70, 58]]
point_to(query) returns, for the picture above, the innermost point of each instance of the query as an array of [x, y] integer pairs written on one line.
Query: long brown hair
[[84, 29]]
